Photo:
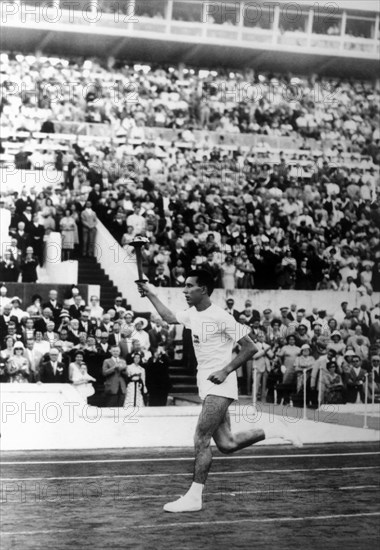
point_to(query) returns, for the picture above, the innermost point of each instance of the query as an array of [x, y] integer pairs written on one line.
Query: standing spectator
[[244, 273], [48, 214], [114, 372], [303, 364], [34, 358], [375, 375], [288, 354], [53, 371], [28, 267], [262, 364], [89, 222], [136, 388], [4, 300], [96, 310], [230, 302], [228, 273], [69, 231], [17, 365], [9, 271], [333, 384], [140, 333], [36, 234], [54, 305], [160, 279], [354, 379], [157, 378], [7, 347]]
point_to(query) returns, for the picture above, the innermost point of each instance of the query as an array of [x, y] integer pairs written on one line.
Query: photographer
[[157, 378]]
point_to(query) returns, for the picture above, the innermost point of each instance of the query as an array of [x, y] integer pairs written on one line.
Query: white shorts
[[228, 388]]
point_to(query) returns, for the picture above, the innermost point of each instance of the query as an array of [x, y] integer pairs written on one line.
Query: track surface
[[319, 497]]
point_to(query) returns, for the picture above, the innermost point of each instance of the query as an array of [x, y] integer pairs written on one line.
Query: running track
[[319, 497]]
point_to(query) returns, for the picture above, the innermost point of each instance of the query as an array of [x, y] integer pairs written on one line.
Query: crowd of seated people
[[127, 356], [252, 222], [258, 229], [115, 354], [38, 91]]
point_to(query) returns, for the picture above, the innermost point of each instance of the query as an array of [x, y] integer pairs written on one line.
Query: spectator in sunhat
[[140, 333], [16, 309], [128, 320], [336, 342]]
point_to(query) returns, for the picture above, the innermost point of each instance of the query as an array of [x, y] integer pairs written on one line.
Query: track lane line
[[180, 459], [238, 472], [196, 524]]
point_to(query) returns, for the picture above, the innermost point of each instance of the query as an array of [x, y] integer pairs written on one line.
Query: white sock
[[273, 432], [195, 491]]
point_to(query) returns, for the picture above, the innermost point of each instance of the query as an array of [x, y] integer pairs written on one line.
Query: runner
[[214, 334]]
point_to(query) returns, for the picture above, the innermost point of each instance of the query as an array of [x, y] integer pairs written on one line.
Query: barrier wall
[[54, 416], [25, 291]]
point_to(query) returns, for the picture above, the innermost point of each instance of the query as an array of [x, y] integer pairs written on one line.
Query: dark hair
[[204, 278]]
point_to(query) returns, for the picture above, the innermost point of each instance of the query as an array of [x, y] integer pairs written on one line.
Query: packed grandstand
[[269, 181]]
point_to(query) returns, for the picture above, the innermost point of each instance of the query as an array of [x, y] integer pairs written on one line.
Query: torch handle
[[139, 262]]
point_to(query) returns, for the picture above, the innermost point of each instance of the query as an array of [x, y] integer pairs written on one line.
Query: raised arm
[[149, 291]]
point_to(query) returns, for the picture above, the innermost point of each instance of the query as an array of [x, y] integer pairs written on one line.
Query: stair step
[[184, 389], [180, 371], [182, 380]]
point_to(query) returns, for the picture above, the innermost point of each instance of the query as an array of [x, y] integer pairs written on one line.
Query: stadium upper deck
[[340, 37]]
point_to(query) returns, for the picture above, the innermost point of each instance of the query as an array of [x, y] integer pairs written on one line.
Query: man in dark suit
[[115, 383], [36, 235], [230, 302], [157, 334], [114, 338], [375, 375], [54, 372], [85, 324], [5, 319], [54, 305], [354, 379], [41, 322], [76, 309]]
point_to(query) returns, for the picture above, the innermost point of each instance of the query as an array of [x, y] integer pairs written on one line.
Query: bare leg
[[213, 412], [227, 442]]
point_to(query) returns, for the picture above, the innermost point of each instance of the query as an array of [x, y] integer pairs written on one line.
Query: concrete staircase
[[183, 381], [90, 273]]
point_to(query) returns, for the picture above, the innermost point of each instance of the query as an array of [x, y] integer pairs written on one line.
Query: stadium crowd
[[303, 221], [130, 98], [254, 222], [127, 356]]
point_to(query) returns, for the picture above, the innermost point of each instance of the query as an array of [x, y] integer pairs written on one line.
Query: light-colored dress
[[18, 369], [81, 381], [69, 231], [288, 355], [302, 364], [136, 386], [228, 276]]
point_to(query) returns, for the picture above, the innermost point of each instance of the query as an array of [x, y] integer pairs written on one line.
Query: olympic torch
[[137, 244]]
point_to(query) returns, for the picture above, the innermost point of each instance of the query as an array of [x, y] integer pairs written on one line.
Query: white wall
[[118, 265], [54, 416], [261, 299]]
